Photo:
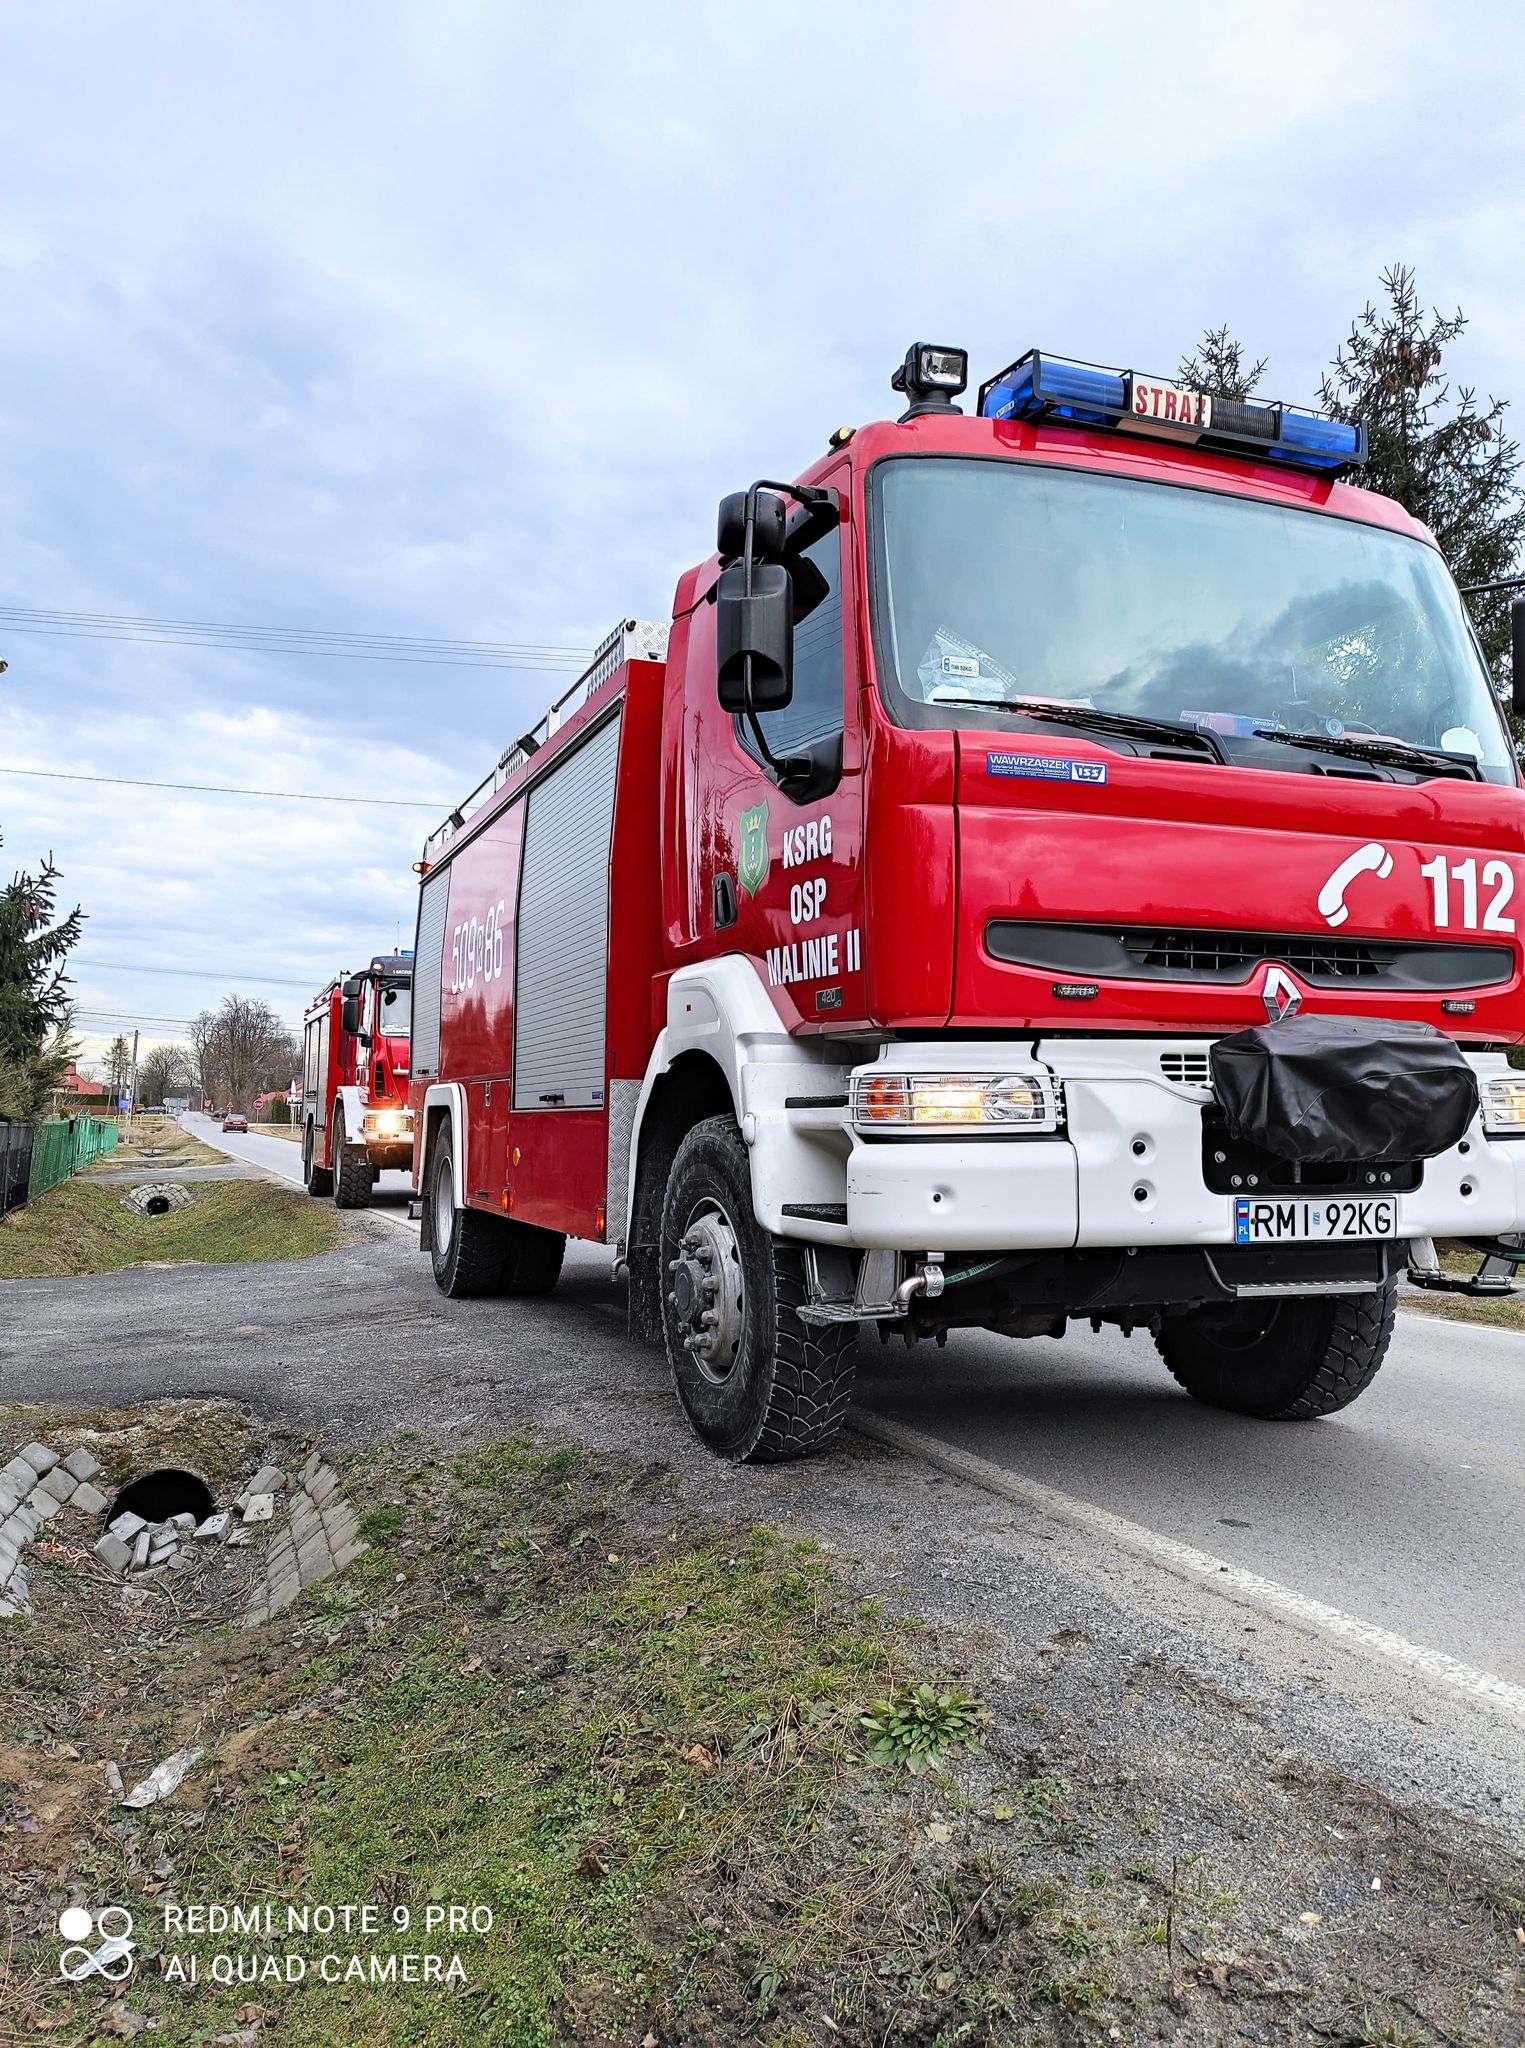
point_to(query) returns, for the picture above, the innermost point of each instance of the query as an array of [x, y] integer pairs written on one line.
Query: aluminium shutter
[[562, 951], [428, 956]]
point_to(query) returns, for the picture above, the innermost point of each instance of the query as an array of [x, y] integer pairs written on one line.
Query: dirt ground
[[635, 1731]]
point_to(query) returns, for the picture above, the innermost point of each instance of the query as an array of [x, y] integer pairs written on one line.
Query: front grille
[[1147, 952]]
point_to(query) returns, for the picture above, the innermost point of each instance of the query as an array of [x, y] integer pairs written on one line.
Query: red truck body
[[958, 885]]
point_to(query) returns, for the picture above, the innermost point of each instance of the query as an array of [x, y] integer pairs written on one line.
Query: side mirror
[[1517, 654], [767, 527], [349, 1005], [754, 638]]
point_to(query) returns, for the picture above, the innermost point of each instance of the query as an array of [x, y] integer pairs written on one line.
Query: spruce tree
[[34, 1003], [1445, 456]]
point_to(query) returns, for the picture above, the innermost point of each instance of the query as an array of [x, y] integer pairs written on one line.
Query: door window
[[815, 711]]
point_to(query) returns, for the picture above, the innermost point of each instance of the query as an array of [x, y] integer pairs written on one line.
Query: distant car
[[234, 1122]]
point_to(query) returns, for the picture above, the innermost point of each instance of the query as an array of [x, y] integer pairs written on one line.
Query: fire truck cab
[[354, 1110], [1067, 865]]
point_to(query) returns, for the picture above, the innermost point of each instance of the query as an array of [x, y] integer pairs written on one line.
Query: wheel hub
[[705, 1293], [444, 1209]]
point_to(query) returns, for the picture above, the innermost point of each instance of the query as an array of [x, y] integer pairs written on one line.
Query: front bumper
[[1126, 1169]]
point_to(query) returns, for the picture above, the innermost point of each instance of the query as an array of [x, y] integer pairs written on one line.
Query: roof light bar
[[1124, 401]]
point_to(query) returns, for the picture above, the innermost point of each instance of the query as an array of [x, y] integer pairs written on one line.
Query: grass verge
[[83, 1227], [636, 1741]]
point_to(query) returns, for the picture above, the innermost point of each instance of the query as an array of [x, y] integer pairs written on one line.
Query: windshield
[[999, 580], [397, 1011]]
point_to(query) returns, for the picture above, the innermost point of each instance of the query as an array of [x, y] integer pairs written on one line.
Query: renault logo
[[1280, 994]]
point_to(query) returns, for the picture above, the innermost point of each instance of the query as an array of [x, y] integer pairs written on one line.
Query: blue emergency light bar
[[1039, 387]]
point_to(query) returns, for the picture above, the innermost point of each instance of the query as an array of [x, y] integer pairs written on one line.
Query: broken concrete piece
[[88, 1499], [163, 1779], [239, 1539], [268, 1479], [127, 1526], [180, 1561], [183, 1521], [113, 1552], [213, 1527], [261, 1508], [80, 1465], [140, 1544], [39, 1457], [113, 1781]]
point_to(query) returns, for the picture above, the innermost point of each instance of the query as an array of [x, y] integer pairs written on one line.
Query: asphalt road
[[283, 1157], [1407, 1511]]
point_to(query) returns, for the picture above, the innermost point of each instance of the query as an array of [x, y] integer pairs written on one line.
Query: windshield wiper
[[1126, 724], [1385, 753]]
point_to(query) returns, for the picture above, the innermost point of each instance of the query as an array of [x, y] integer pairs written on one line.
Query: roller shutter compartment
[[561, 991], [428, 957]]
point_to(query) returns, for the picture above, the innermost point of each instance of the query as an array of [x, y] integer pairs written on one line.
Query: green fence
[[61, 1149]]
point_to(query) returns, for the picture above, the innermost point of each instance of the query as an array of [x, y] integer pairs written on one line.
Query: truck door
[[779, 877]]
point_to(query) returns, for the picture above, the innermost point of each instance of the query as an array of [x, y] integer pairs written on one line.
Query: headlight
[[1504, 1103], [387, 1123], [1031, 1102]]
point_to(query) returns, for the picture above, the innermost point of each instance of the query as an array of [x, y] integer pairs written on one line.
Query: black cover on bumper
[[1345, 1088]]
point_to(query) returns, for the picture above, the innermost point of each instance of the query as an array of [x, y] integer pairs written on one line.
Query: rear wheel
[[469, 1248], [756, 1382], [353, 1179], [317, 1179], [1285, 1360]]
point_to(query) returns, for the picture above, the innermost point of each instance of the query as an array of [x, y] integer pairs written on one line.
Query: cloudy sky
[[454, 320]]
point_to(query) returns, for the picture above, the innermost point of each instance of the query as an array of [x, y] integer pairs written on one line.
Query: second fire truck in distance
[[355, 1118], [1064, 863]]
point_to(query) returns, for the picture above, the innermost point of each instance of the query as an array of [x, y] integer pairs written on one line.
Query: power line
[[330, 645], [297, 796], [89, 967]]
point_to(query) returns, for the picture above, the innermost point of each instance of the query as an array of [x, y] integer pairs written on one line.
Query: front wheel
[[757, 1383], [316, 1179], [1287, 1361], [353, 1179]]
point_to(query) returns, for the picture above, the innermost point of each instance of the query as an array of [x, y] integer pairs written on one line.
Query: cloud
[[457, 320]]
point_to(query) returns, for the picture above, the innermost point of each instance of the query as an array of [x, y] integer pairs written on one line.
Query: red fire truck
[[1064, 863], [354, 1107]]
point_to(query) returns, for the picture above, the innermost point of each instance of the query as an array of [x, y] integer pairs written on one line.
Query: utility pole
[[132, 1093]]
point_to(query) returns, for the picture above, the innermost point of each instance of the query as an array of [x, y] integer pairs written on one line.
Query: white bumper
[[1125, 1170]]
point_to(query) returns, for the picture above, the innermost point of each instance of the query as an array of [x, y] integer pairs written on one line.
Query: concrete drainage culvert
[[157, 1198]]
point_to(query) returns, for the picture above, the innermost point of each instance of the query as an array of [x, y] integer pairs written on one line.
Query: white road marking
[[1188, 1562]]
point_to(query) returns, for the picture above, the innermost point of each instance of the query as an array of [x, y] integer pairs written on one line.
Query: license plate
[[1272, 1222]]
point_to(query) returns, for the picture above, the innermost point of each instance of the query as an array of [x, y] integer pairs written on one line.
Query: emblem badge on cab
[[1280, 994]]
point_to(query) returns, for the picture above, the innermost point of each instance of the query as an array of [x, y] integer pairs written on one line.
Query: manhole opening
[[159, 1494], [156, 1205]]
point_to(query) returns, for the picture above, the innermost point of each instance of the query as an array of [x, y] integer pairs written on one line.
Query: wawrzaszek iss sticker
[[1045, 768]]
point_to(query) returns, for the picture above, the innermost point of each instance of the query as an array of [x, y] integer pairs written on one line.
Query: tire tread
[[809, 1387]]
